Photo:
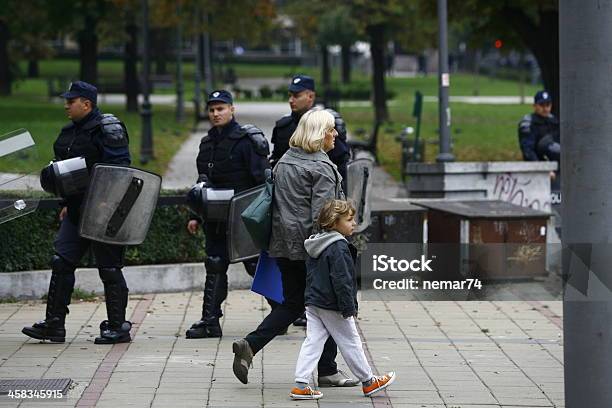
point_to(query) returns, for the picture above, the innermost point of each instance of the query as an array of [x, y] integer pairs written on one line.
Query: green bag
[[257, 217]]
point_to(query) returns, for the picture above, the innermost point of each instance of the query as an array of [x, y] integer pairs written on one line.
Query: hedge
[[27, 242]]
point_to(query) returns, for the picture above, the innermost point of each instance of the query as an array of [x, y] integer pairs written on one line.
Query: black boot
[[116, 329], [58, 299], [215, 292], [301, 321], [112, 335]]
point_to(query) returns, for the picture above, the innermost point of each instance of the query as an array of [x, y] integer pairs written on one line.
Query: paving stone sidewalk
[[446, 354]]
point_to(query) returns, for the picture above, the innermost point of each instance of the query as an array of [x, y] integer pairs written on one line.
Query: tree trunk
[[5, 63], [88, 51], [33, 71], [546, 50], [346, 63], [325, 68], [377, 50], [130, 70], [159, 48], [543, 41]]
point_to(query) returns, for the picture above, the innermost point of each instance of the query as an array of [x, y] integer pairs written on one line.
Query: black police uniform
[[536, 134], [285, 127], [99, 138], [234, 157]]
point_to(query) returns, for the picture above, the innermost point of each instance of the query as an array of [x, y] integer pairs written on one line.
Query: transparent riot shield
[[240, 246], [359, 175], [119, 205], [19, 167]]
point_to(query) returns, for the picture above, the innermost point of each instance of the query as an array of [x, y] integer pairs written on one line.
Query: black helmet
[[65, 178], [47, 179], [195, 198]]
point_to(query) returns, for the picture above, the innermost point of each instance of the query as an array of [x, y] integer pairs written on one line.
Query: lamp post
[[146, 142], [180, 102], [444, 115], [197, 78]]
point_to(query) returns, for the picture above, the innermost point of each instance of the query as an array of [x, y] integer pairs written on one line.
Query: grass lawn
[[479, 132], [461, 84], [44, 120]]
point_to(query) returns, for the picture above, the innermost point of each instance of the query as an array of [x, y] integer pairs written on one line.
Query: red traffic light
[[498, 44]]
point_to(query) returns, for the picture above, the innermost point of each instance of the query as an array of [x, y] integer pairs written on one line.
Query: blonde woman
[[304, 180]]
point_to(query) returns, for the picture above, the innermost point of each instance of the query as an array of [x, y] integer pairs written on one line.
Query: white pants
[[321, 324]]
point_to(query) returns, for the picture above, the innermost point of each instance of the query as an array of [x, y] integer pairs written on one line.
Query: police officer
[[302, 98], [539, 131], [231, 157], [99, 138]]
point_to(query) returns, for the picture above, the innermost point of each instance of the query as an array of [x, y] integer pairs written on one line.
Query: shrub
[[265, 92], [27, 242]]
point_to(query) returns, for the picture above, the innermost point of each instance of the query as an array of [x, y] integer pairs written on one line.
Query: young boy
[[331, 303]]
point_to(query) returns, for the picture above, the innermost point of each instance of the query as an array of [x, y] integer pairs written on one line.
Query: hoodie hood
[[317, 243]]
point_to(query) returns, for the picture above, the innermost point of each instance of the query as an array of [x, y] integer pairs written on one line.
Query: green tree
[[128, 13], [21, 38], [534, 25], [82, 18], [9, 12], [380, 20], [337, 27]]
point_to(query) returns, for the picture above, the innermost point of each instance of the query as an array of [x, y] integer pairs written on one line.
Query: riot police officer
[[98, 138], [230, 157], [539, 131], [301, 99]]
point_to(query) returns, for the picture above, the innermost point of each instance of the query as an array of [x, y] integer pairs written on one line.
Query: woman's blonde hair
[[311, 130], [332, 211]]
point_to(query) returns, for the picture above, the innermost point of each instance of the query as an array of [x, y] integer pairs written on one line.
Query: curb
[[140, 279]]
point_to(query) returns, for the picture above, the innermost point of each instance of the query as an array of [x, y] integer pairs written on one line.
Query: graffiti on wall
[[519, 191]]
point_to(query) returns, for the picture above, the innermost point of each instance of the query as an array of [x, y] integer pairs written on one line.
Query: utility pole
[[146, 141], [444, 115], [180, 101], [584, 66], [208, 72], [198, 70]]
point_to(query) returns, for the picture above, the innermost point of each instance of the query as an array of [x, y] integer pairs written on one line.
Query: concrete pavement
[[446, 354]]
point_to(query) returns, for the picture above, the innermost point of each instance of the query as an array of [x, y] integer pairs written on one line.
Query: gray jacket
[[303, 182]]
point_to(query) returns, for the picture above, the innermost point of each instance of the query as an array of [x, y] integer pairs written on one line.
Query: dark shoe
[[44, 331], [300, 321], [114, 335], [340, 379], [203, 330], [243, 360]]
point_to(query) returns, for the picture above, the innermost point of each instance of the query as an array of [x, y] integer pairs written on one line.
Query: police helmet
[[66, 177]]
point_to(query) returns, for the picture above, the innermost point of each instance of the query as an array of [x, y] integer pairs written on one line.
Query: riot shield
[[18, 168], [119, 204], [240, 246], [359, 175]]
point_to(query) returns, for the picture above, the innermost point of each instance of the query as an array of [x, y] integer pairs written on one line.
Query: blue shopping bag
[[267, 281]]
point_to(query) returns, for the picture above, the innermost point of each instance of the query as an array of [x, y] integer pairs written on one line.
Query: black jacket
[[235, 157], [99, 139], [331, 281], [538, 136]]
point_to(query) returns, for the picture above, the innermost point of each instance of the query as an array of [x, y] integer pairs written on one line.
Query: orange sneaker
[[379, 383], [306, 393]]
